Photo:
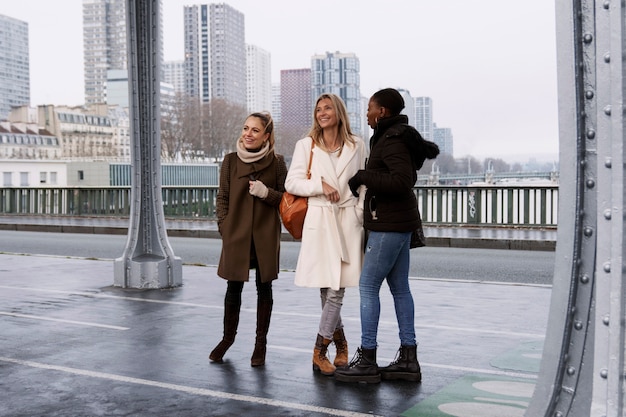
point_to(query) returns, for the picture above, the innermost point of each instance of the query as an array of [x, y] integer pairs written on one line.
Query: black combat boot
[[405, 366], [362, 368]]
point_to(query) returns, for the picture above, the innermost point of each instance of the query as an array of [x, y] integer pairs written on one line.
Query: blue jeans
[[386, 256]]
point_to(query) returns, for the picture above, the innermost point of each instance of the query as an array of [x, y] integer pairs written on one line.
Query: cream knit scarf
[[249, 157]]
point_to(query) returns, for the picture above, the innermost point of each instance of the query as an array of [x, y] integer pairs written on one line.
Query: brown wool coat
[[244, 219]]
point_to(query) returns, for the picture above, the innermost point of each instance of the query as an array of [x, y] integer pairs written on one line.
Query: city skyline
[[491, 78]]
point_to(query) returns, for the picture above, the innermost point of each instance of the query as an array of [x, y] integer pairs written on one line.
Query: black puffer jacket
[[397, 151]]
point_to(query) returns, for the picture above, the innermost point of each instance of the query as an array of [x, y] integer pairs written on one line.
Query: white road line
[[478, 281], [276, 313], [480, 371], [81, 323], [189, 390], [116, 297]]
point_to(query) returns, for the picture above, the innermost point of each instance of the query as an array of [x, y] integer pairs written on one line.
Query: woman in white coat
[[331, 253]]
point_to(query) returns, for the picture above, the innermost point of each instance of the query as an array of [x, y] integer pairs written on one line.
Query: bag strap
[[308, 171]]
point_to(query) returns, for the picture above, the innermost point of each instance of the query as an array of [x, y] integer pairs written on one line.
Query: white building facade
[[424, 117], [258, 79], [174, 74]]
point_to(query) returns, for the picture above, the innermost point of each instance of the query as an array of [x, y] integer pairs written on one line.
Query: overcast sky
[[488, 65]]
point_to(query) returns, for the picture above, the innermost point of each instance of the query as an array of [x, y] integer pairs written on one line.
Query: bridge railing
[[489, 205], [533, 206]]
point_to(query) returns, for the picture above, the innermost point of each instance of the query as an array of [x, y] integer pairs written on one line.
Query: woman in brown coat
[[252, 182]]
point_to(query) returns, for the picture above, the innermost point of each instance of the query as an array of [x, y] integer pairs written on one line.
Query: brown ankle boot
[[339, 338], [320, 360]]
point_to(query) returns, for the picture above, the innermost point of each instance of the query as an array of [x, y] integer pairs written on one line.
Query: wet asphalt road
[[492, 265]]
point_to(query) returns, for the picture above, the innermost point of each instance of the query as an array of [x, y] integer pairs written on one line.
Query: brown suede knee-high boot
[[231, 322], [263, 315]]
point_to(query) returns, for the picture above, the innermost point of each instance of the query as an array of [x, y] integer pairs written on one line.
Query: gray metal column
[[148, 260], [582, 371]]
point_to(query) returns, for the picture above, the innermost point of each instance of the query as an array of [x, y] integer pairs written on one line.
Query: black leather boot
[[362, 368], [405, 366]]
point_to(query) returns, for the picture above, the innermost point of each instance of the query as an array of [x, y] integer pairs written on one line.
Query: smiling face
[[253, 134], [326, 114]]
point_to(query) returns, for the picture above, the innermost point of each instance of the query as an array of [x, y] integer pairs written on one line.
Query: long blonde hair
[[343, 123]]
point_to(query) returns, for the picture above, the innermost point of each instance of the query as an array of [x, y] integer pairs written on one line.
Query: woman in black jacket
[[390, 217]]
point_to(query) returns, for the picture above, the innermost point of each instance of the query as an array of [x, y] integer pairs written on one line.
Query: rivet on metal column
[[148, 260], [582, 368]]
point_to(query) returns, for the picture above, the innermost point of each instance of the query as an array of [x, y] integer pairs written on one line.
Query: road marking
[[81, 323], [479, 281], [116, 297], [189, 390], [276, 313]]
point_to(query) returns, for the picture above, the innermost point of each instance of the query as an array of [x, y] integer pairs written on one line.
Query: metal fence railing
[[489, 205], [532, 206]]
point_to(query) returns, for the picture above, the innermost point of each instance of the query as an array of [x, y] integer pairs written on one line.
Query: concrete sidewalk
[[73, 345]]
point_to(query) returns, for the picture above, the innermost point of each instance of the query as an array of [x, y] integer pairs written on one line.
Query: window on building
[[23, 179], [81, 175], [53, 178], [7, 179], [43, 177]]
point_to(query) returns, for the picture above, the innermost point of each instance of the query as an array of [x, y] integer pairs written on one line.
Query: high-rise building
[[215, 53], [339, 73], [258, 79], [409, 105], [424, 116], [105, 44], [14, 65], [296, 108], [276, 111], [174, 74], [366, 131], [442, 136]]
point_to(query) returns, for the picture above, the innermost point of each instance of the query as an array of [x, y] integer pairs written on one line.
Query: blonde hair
[[343, 122]]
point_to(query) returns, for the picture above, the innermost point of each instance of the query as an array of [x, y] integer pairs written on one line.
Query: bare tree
[[498, 165], [428, 165], [181, 127], [222, 122], [445, 162], [286, 138]]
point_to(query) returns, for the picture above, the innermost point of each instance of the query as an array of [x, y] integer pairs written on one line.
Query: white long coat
[[331, 253]]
